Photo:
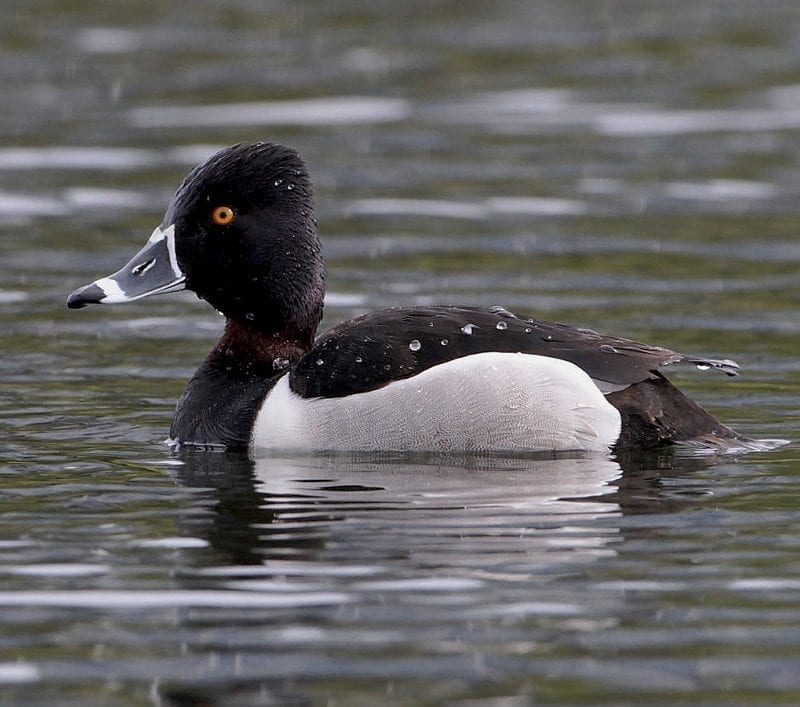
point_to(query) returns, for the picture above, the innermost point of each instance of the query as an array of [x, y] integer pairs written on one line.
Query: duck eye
[[223, 215]]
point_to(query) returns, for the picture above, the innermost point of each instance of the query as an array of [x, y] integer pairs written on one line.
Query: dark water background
[[629, 166]]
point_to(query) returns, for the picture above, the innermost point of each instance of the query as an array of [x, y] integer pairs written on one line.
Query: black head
[[240, 233]]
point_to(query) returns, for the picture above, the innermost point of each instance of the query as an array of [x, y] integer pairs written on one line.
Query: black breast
[[220, 405]]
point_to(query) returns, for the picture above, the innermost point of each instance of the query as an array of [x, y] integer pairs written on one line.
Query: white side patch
[[484, 402], [606, 387]]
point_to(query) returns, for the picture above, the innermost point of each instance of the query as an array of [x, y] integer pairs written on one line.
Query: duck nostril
[[142, 268]]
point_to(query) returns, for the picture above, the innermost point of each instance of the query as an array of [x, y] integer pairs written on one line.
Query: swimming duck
[[240, 233]]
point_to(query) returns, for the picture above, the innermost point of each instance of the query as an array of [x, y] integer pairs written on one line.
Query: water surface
[[616, 165]]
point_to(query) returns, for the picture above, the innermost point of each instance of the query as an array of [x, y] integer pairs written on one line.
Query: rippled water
[[619, 165]]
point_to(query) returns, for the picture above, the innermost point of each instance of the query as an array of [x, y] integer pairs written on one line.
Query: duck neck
[[243, 348], [223, 397]]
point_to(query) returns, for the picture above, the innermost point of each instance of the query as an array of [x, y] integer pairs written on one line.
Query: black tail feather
[[655, 413]]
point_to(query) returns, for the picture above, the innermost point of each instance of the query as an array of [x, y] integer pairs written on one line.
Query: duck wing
[[373, 350]]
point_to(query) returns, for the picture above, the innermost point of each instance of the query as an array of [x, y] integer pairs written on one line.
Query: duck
[[240, 233]]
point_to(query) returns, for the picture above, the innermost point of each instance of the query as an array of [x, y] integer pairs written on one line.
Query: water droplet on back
[[415, 345], [468, 329], [359, 359], [444, 342], [502, 326], [320, 361], [607, 348], [277, 182], [703, 367], [496, 309]]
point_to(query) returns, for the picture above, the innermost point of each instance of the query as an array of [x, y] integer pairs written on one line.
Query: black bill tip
[[90, 294]]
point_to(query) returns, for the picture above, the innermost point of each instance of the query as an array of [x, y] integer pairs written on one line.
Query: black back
[[368, 352]]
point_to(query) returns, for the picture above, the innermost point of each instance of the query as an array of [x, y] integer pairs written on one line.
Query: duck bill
[[154, 270]]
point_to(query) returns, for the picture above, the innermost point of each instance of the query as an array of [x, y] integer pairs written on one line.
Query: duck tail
[[655, 413]]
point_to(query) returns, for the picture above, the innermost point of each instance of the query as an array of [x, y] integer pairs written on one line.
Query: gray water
[[628, 166]]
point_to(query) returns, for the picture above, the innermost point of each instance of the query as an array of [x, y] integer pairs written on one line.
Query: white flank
[[484, 402]]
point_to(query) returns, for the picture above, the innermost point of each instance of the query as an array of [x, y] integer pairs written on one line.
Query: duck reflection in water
[[287, 508]]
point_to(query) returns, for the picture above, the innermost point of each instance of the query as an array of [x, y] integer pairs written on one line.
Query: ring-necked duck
[[240, 233]]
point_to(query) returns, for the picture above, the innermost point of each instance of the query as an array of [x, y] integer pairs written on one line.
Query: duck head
[[240, 233]]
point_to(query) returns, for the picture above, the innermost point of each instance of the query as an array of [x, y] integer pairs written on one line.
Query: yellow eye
[[223, 215]]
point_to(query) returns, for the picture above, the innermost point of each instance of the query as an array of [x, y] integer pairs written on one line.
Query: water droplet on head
[[607, 348], [528, 330], [468, 329], [502, 326], [277, 182], [249, 316], [415, 345], [359, 359], [320, 361], [444, 342], [289, 187]]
